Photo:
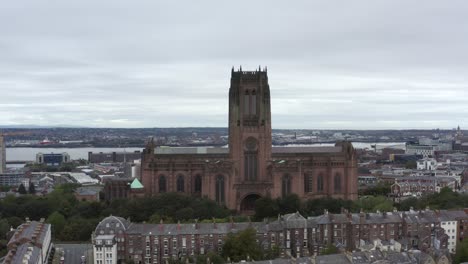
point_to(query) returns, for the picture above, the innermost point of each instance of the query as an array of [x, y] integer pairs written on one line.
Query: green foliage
[[32, 188], [212, 256], [446, 199], [372, 204], [411, 164], [291, 203], [22, 189], [265, 207], [58, 222], [3, 247], [381, 189], [317, 206], [242, 245], [4, 228], [78, 229], [329, 250], [461, 254]]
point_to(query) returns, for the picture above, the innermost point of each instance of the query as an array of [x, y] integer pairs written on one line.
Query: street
[[73, 252]]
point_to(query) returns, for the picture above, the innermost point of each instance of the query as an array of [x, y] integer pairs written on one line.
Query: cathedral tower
[[250, 131]]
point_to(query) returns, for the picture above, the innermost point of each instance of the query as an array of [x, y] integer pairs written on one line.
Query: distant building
[[404, 158], [88, 193], [416, 149], [113, 157], [132, 169], [367, 180], [31, 243], [122, 188], [426, 164], [11, 179], [52, 159], [2, 155]]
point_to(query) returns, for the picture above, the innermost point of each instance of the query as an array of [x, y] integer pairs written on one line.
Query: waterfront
[[75, 153], [29, 154]]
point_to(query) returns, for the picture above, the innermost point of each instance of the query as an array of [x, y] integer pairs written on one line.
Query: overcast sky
[[331, 64]]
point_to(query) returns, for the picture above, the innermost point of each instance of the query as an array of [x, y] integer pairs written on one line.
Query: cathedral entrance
[[248, 203]]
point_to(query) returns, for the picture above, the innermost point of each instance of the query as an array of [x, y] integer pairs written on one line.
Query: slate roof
[[24, 250], [275, 150], [332, 259]]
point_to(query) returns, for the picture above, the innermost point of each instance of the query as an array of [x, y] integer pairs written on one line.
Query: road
[[73, 252]]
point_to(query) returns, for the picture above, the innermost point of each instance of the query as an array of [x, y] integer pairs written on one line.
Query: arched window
[[337, 183], [253, 104], [246, 103], [198, 183], [162, 184], [220, 189], [180, 183], [320, 182], [286, 185], [250, 159], [307, 183]]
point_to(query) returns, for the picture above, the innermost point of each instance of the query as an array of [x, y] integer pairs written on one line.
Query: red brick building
[[250, 167]]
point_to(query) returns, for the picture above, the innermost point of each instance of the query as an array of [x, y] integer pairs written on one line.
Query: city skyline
[[331, 65]]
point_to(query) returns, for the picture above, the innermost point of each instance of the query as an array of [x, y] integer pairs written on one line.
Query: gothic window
[[286, 185], [337, 182], [250, 166], [320, 182], [250, 159], [307, 183], [220, 189], [253, 104], [198, 184], [180, 183], [162, 183], [246, 103]]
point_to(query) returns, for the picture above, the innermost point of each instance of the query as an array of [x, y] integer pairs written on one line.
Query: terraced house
[[428, 231]]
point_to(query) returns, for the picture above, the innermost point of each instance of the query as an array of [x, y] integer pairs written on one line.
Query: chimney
[[161, 225], [215, 226], [196, 224], [362, 216], [178, 225]]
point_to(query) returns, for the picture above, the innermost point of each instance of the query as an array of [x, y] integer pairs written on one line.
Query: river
[[82, 153]]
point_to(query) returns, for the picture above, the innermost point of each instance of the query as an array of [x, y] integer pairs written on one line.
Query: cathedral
[[250, 167]]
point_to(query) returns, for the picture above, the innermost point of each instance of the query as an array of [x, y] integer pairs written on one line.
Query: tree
[[212, 256], [21, 189], [461, 254], [4, 228], [242, 246], [411, 164], [265, 207], [58, 222], [291, 203], [372, 204], [330, 249], [32, 188]]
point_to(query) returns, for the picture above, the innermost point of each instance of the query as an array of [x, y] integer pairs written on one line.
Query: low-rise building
[[11, 179], [52, 159], [293, 234], [30, 243]]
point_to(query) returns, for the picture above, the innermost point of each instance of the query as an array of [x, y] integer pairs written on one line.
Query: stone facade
[[250, 167]]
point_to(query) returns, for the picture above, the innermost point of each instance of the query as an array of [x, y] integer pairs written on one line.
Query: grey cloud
[[335, 64]]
